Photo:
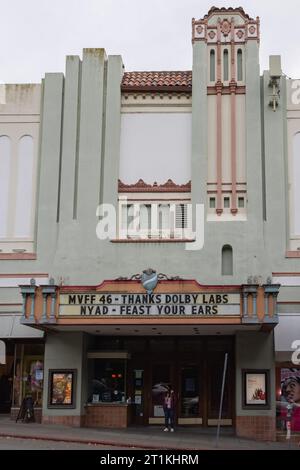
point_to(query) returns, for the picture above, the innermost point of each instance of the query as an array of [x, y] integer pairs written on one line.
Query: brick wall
[[75, 421], [107, 416], [261, 428]]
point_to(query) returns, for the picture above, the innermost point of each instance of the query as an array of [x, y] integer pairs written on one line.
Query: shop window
[[6, 375], [106, 381], [28, 373], [227, 261], [225, 66], [212, 66]]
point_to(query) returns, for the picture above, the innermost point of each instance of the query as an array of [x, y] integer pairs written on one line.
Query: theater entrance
[[194, 369]]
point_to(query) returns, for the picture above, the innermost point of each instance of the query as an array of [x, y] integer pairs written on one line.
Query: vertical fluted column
[[44, 317], [49, 290], [250, 290], [28, 291], [271, 290], [266, 296], [24, 297]]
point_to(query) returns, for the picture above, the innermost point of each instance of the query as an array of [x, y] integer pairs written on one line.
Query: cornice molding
[[141, 187]]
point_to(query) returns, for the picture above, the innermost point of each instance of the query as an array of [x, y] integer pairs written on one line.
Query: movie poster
[[290, 394]]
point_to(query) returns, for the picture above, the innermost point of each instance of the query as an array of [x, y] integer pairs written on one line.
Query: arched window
[[296, 184], [24, 197], [212, 66], [239, 65], [5, 161], [227, 261], [225, 66]]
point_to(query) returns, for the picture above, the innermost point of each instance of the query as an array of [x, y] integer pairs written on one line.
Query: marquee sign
[[134, 304]]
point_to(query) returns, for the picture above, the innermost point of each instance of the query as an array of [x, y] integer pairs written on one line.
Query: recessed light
[[117, 329]]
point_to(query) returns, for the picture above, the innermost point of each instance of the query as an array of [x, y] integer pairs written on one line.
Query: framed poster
[[61, 392], [256, 389]]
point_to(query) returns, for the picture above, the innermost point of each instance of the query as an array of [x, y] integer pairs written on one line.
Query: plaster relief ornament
[[225, 27], [211, 34], [252, 29], [240, 34], [149, 280], [199, 29]]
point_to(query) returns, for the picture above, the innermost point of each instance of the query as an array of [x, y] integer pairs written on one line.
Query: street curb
[[95, 442]]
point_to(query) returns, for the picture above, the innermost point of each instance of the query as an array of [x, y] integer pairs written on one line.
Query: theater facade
[[149, 236]]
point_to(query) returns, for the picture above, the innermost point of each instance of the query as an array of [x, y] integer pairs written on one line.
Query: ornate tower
[[225, 44]]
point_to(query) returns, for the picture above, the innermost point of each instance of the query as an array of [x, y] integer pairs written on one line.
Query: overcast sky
[[36, 35]]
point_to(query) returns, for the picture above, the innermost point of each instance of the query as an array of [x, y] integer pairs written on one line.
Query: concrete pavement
[[136, 437]]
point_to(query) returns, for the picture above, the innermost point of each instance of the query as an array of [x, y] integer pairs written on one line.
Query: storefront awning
[[286, 333], [11, 327]]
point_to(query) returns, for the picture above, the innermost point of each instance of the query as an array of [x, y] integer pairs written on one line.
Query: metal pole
[[221, 400]]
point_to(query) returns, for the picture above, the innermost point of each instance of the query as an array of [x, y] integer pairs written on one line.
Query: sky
[[36, 35]]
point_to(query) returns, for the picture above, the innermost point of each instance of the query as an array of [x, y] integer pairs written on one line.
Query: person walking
[[169, 409]]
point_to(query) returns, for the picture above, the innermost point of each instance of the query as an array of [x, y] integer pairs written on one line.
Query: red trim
[[226, 90], [18, 256], [10, 305], [153, 240], [115, 282], [157, 89], [292, 254], [285, 274], [141, 187]]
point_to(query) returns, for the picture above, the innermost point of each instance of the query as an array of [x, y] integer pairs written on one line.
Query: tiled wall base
[[260, 428], [75, 421], [107, 416]]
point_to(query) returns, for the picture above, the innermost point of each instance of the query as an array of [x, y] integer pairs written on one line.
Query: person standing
[[169, 409]]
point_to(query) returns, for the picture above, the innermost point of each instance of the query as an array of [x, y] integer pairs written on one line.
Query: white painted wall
[[19, 136], [155, 147], [296, 183], [212, 139]]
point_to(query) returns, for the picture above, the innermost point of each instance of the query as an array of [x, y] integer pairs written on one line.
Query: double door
[[197, 387]]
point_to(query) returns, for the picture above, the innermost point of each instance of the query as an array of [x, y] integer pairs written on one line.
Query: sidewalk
[[138, 438]]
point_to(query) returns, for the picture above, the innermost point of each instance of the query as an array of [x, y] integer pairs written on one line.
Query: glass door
[[161, 379], [190, 405]]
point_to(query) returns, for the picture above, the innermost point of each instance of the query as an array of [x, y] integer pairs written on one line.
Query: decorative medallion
[[199, 29], [211, 34], [149, 280], [225, 27], [252, 29], [240, 34]]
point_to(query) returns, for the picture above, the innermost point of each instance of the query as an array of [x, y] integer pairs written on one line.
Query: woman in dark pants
[[169, 410]]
